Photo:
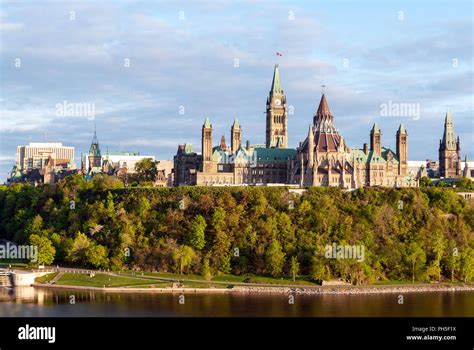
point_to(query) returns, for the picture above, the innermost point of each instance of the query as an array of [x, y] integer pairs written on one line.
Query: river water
[[35, 302]]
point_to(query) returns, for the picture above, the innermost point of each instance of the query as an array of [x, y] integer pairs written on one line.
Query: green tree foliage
[[221, 252], [275, 258], [439, 243], [183, 257], [408, 234], [416, 256], [425, 182], [294, 267], [467, 265], [78, 251], [318, 270], [146, 170], [198, 228], [206, 269], [96, 256], [45, 249]]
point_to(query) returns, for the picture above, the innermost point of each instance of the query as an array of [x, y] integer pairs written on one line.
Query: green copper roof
[[371, 157], [402, 129], [236, 124], [386, 151], [276, 155], [276, 83], [188, 148], [207, 123], [94, 150]]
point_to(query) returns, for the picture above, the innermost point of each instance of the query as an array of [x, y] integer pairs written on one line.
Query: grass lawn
[[14, 265], [157, 284], [248, 278], [46, 278], [204, 285], [263, 279], [382, 283], [101, 280], [176, 276]]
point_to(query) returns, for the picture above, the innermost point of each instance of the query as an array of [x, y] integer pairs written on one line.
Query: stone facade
[[325, 160], [449, 151], [322, 159]]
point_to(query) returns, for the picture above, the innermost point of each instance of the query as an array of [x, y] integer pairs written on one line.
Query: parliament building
[[322, 159]]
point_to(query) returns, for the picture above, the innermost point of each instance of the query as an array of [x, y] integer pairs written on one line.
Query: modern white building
[[415, 165], [34, 155], [125, 159]]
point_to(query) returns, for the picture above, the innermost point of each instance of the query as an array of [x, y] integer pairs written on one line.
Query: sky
[[154, 70]]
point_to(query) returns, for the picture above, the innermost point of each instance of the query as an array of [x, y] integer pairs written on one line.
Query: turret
[[235, 136], [402, 150], [277, 123], [206, 140], [376, 139]]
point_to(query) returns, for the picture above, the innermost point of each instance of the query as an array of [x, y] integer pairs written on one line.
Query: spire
[[207, 123], [223, 145], [467, 170], [94, 139], [323, 109], [402, 130], [236, 124], [323, 120], [449, 137], [94, 150], [326, 136], [376, 128], [276, 83]]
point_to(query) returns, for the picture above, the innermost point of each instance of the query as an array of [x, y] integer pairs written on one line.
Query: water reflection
[[32, 302]]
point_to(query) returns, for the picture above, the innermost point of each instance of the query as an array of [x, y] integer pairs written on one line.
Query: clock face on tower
[[277, 102]]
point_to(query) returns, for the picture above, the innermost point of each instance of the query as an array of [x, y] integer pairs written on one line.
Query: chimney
[[247, 145], [366, 148]]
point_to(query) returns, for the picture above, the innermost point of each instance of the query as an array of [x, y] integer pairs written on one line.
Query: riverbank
[[342, 290]]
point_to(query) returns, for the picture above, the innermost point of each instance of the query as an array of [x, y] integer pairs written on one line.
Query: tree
[[206, 269], [286, 232], [416, 256], [218, 219], [439, 245], [183, 257], [146, 170], [34, 226], [198, 228], [220, 252], [96, 255], [453, 260], [425, 182], [318, 269], [275, 258], [45, 249], [467, 264], [294, 267], [79, 248]]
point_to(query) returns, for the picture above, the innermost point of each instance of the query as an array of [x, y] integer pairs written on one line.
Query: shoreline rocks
[[357, 290], [326, 290]]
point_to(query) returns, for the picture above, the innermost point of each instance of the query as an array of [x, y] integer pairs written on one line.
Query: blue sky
[[182, 53]]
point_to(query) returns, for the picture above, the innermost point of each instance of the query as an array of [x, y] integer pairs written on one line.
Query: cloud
[[181, 71]]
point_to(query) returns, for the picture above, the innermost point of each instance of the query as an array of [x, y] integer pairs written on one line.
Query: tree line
[[413, 234]]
